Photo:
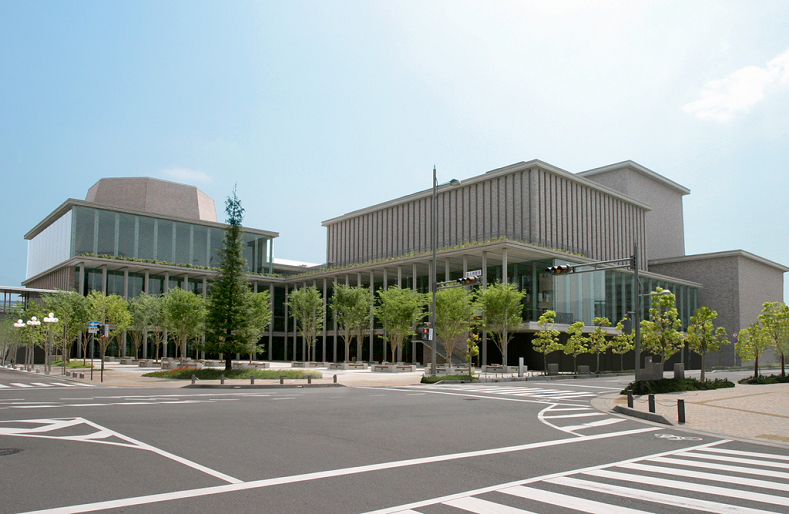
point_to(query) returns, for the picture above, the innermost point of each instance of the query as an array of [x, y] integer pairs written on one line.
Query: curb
[[257, 386], [649, 416]]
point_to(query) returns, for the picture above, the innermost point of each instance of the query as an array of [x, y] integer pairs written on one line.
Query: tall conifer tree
[[229, 324]]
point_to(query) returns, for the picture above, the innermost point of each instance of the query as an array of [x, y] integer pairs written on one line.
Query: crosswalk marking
[[654, 497], [593, 424], [479, 506], [628, 486], [563, 500], [34, 385], [703, 475], [583, 415]]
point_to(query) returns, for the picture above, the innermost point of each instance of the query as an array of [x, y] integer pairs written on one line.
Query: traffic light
[[561, 269], [467, 280], [425, 332]]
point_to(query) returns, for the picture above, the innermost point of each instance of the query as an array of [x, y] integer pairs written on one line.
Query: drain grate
[[8, 451]]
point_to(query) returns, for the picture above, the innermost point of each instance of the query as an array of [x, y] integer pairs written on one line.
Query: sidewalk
[[756, 412]]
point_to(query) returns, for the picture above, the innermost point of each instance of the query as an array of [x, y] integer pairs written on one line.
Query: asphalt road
[[487, 448]]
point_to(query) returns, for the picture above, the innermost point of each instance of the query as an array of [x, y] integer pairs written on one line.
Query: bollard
[[630, 399], [222, 379], [251, 380], [652, 403], [335, 379], [82, 375], [281, 379], [193, 379], [309, 380], [681, 410]]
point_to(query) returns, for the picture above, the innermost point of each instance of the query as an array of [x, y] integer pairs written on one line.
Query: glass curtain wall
[[102, 232]]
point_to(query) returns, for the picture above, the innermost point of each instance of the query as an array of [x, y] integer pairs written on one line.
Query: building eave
[[720, 255], [639, 169], [520, 166]]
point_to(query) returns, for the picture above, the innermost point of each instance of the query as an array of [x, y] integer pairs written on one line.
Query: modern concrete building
[[143, 234]]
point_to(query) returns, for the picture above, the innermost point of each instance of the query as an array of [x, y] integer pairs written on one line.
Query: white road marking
[[100, 436], [583, 415], [256, 484], [18, 384], [702, 475], [567, 501], [479, 506]]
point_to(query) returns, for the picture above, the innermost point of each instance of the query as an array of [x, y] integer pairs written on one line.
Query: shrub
[[672, 385], [761, 379]]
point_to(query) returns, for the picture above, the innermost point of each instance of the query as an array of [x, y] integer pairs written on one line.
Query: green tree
[[454, 312], [577, 343], [622, 343], [32, 334], [112, 310], [158, 323], [143, 310], [546, 340], [306, 306], [261, 319], [229, 322], [71, 308], [184, 315], [703, 336], [399, 311], [501, 309], [751, 344], [775, 323], [597, 342], [351, 305], [660, 334]]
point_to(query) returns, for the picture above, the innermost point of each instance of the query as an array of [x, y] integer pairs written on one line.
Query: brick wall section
[[734, 284]]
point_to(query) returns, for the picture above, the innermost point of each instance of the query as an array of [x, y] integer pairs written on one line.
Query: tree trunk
[[703, 376], [228, 361]]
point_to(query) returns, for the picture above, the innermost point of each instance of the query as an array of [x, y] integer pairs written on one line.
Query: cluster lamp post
[[49, 320]]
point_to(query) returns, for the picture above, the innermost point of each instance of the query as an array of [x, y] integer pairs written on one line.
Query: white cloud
[[186, 175], [721, 99]]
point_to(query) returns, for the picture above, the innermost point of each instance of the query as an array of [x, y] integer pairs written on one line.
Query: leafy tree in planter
[[112, 310], [399, 310], [351, 305], [775, 323], [597, 342], [454, 312], [577, 343], [546, 340], [660, 334], [703, 336], [143, 310], [184, 314], [622, 343], [306, 307], [752, 343], [261, 318], [501, 313]]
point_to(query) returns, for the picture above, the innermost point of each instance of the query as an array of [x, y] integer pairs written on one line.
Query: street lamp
[[637, 323], [49, 320], [32, 323], [433, 287], [21, 324]]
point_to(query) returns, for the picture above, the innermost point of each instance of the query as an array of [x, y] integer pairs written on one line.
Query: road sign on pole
[[93, 327]]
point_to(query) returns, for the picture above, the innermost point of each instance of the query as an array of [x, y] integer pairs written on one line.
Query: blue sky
[[319, 108]]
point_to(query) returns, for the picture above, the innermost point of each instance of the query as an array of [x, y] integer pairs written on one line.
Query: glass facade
[[50, 247], [89, 230]]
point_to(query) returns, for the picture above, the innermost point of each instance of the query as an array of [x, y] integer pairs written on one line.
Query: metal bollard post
[[309, 380], [82, 375], [222, 379], [652, 403], [251, 380], [281, 379], [681, 410], [630, 399], [335, 379], [193, 379]]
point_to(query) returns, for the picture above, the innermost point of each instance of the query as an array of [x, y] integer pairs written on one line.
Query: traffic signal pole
[[636, 312]]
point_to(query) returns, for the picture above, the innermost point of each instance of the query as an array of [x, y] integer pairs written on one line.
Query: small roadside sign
[[474, 273], [93, 327]]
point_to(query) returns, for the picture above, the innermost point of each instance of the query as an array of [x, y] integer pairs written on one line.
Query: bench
[[347, 365], [393, 368]]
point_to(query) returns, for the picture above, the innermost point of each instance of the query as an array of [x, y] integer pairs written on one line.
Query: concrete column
[[465, 265], [271, 324], [104, 280], [126, 284], [372, 314], [205, 295], [399, 276], [484, 360], [285, 339], [446, 270], [413, 274], [325, 330], [166, 285], [81, 275], [334, 323], [504, 270]]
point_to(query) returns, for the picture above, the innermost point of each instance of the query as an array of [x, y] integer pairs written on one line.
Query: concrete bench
[[145, 363], [128, 361], [583, 370], [311, 364], [498, 368]]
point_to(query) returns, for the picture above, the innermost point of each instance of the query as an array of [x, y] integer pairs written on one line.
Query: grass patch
[[761, 379], [672, 385], [446, 378], [214, 374], [71, 364]]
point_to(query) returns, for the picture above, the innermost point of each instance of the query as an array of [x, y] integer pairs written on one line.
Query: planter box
[[583, 370], [146, 363], [347, 365], [393, 368], [498, 368], [310, 364]]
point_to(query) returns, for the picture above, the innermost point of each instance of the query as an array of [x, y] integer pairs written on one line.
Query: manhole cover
[[8, 451]]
